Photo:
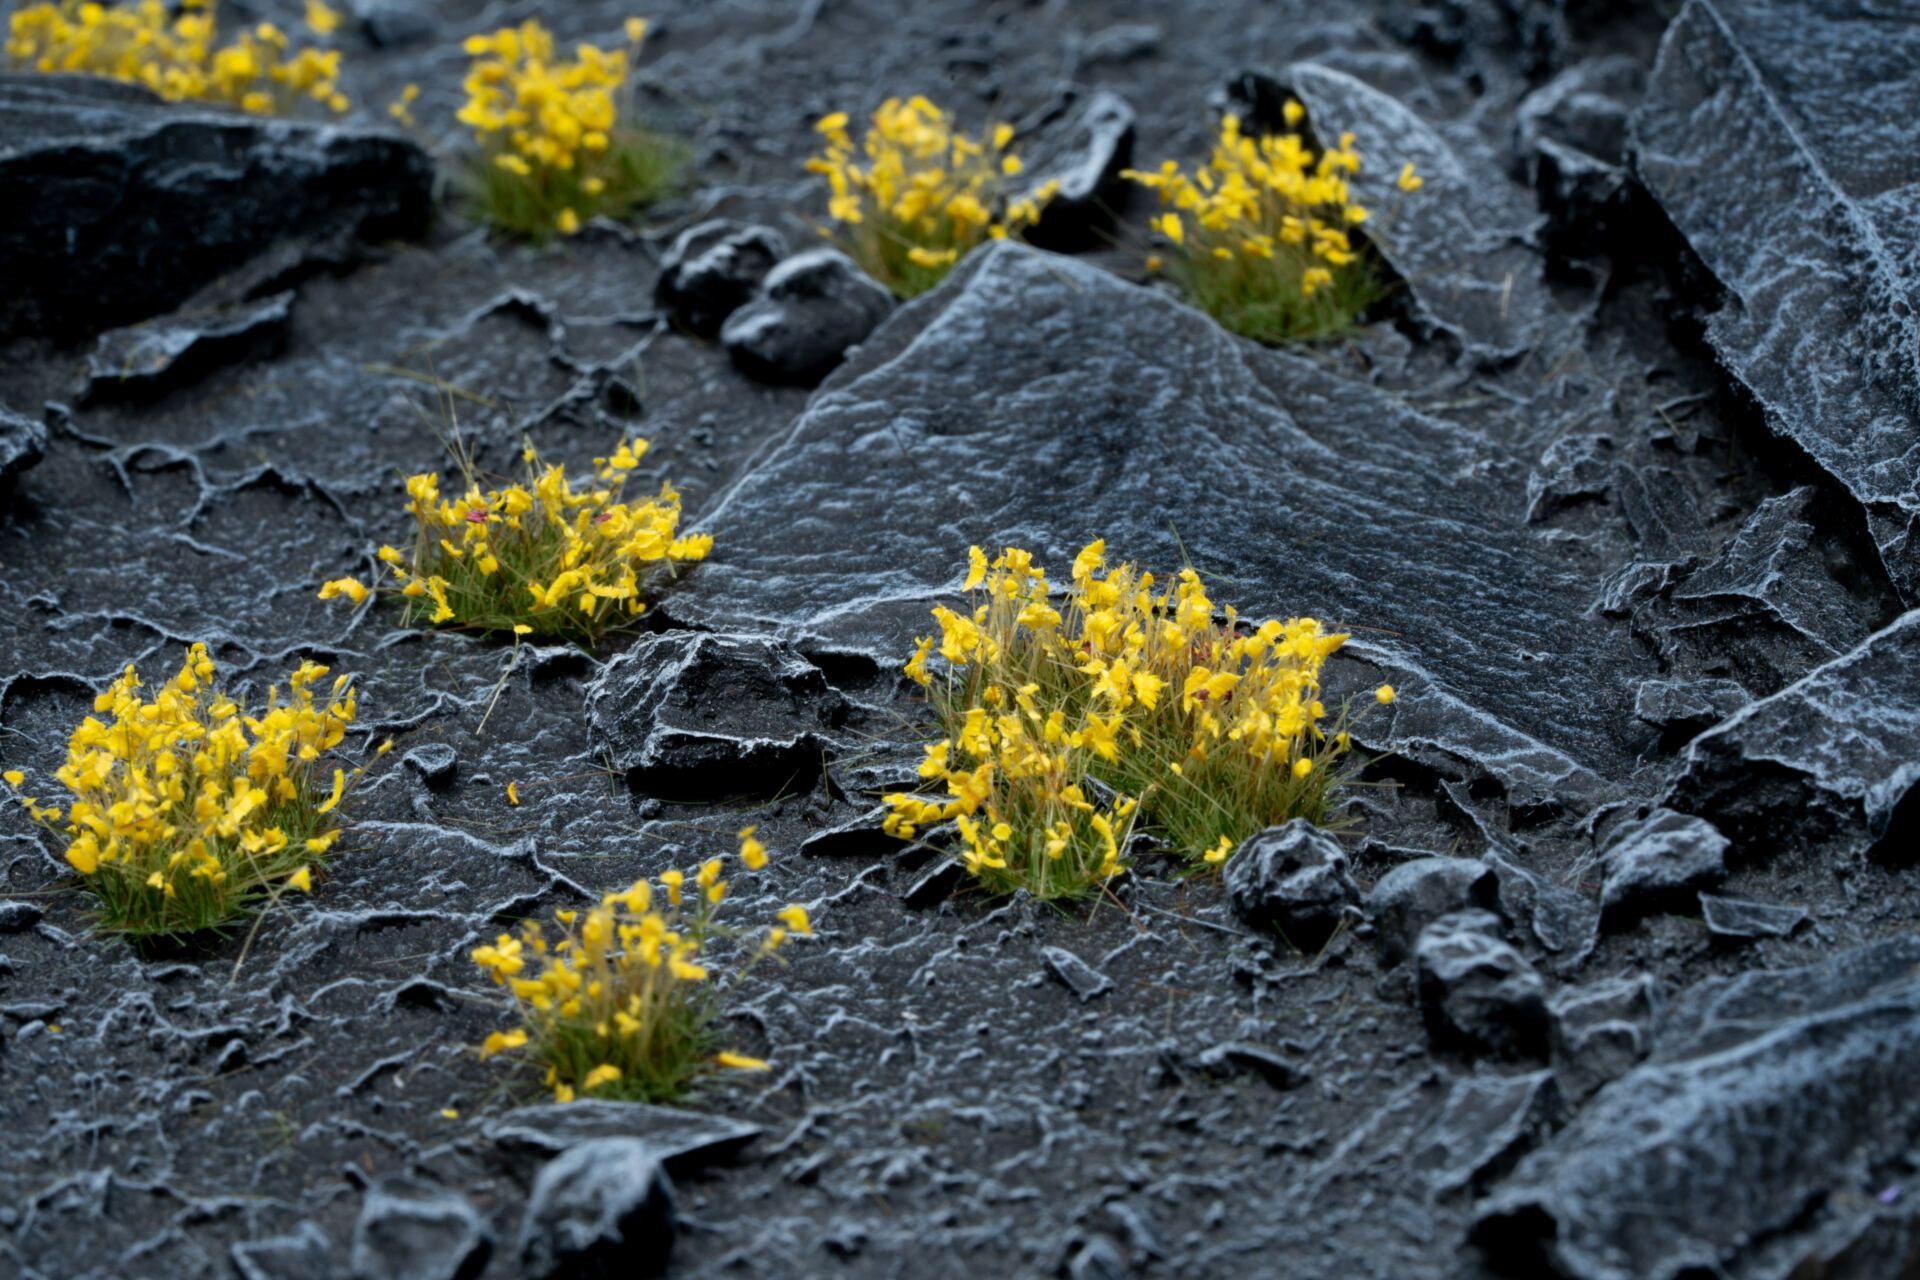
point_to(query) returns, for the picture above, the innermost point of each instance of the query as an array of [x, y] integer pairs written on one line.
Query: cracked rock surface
[[1616, 488]]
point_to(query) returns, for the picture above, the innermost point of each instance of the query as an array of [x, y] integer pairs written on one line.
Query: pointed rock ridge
[[138, 203], [1728, 1151], [1463, 241], [1031, 391], [1778, 141], [1823, 764]]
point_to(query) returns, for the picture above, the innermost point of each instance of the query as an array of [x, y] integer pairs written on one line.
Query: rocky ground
[[1614, 974]]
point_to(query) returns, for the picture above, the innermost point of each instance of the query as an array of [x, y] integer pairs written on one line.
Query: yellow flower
[[1302, 767], [605, 1073], [513, 793], [321, 19], [1292, 112], [449, 1113], [794, 916], [1170, 226], [301, 880], [1385, 694], [1408, 179], [351, 588], [752, 852], [567, 221], [740, 1062], [636, 29], [14, 777]]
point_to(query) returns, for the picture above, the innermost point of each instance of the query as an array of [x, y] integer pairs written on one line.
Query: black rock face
[[1478, 994], [412, 1230], [23, 442], [711, 270], [1413, 895], [1293, 879], [138, 204], [811, 309], [601, 1210], [1661, 861]]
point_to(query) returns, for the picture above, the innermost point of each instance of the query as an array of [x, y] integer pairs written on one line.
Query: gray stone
[[1601, 1029], [1660, 862], [683, 1141], [1122, 42], [1799, 1079], [1739, 919], [23, 442], [434, 763], [1798, 197], [811, 310], [601, 1210], [1236, 1056], [1478, 995], [414, 1230], [739, 713], [393, 24], [1571, 136], [1460, 242], [1084, 155], [712, 269], [1486, 1124], [1078, 427], [193, 194], [1294, 879], [1414, 894], [163, 355], [306, 1254], [18, 916], [1824, 763], [1688, 706], [1076, 974], [1573, 469]]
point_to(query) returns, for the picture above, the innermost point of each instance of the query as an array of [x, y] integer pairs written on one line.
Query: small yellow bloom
[[740, 1062], [449, 1113], [1409, 180], [636, 30], [1385, 694], [1302, 767], [513, 793], [14, 777], [321, 19], [752, 852], [301, 880], [568, 222], [794, 916], [605, 1073], [351, 588], [1293, 112]]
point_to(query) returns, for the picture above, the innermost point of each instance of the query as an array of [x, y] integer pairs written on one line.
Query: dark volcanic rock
[[683, 1141], [1688, 706], [1293, 879], [434, 763], [1268, 1064], [1825, 762], [306, 1254], [1757, 139], [138, 203], [731, 713], [1477, 994], [1799, 1080], [1571, 136], [712, 270], [1486, 1124], [1414, 894], [1075, 426], [1601, 1029], [413, 1230], [812, 308], [1078, 976], [1460, 242], [1738, 918], [23, 442], [1660, 862], [16, 916], [154, 358], [1084, 154], [601, 1210]]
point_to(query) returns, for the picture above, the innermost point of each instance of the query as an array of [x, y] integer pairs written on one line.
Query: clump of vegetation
[[1066, 732], [540, 558], [918, 194], [623, 1003], [556, 139], [1260, 237], [177, 54], [186, 809]]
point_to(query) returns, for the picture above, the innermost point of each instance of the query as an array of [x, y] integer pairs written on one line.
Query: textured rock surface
[[1795, 1078], [602, 1209], [410, 1230], [23, 442], [711, 270], [811, 309], [1413, 895], [1478, 994], [1814, 240], [192, 196], [150, 359], [1601, 1029], [1660, 862], [1082, 156], [1293, 880]]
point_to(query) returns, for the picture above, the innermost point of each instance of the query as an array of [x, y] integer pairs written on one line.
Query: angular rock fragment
[[1486, 1124], [16, 917], [683, 1141], [1294, 879], [1574, 468], [1076, 974], [1688, 706], [414, 1230], [138, 203], [1601, 1029], [935, 885], [1460, 242], [306, 1254], [1738, 918], [434, 763], [1477, 994], [1238, 1055], [1083, 155], [1729, 1150], [23, 442], [1571, 136], [1563, 921], [151, 359], [811, 309], [1824, 763], [1756, 138], [1029, 401], [712, 269], [1660, 862], [716, 714], [1414, 894], [601, 1210]]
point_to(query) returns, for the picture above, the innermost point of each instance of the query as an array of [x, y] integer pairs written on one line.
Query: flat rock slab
[[683, 1141], [139, 203], [1029, 402], [1776, 139], [1766, 1095]]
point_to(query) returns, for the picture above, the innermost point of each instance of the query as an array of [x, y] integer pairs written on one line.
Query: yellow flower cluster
[[186, 806], [622, 1005], [918, 194], [552, 148], [1262, 234], [1204, 732], [539, 558], [177, 55]]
